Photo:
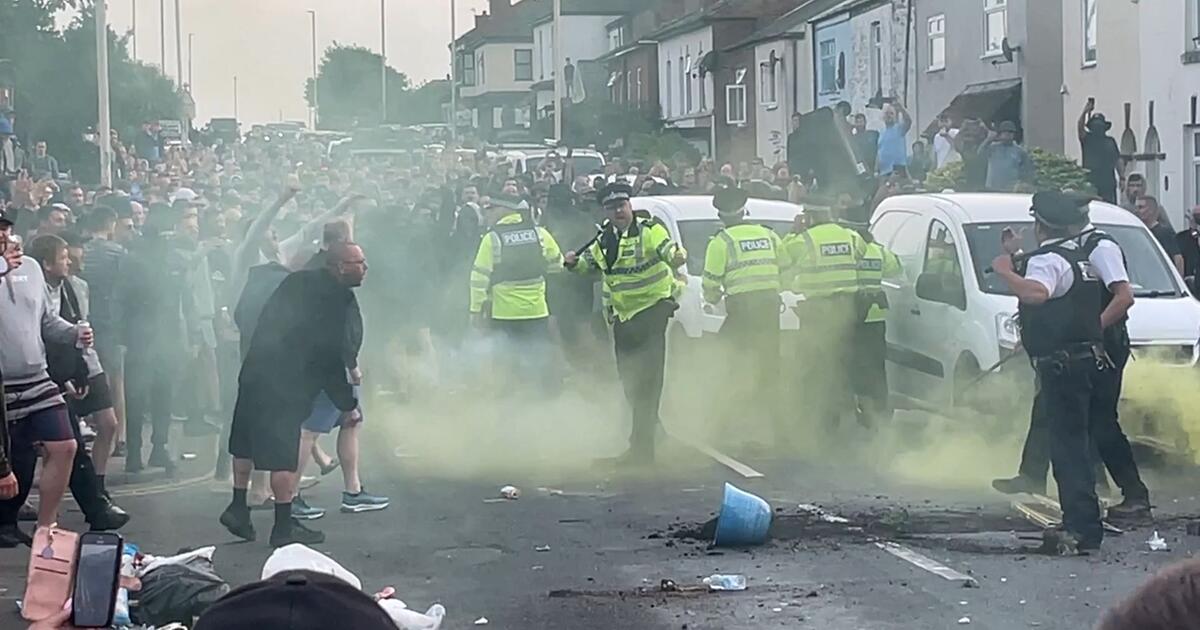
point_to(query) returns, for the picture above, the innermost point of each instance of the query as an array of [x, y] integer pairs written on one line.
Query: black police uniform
[[1066, 345]]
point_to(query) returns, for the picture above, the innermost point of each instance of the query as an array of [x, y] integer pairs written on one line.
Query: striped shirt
[[26, 396]]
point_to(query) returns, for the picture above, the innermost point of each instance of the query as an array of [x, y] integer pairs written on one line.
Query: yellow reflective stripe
[[644, 282], [713, 277], [536, 282], [746, 264], [765, 280]]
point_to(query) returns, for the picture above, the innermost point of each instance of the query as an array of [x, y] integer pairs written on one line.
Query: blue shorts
[[325, 416]]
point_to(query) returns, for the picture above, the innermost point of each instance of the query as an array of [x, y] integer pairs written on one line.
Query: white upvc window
[[1193, 29], [995, 26], [1193, 148], [667, 111], [735, 104], [638, 84], [768, 84], [497, 118], [1090, 39], [702, 86], [876, 60], [687, 87], [827, 51], [937, 42]]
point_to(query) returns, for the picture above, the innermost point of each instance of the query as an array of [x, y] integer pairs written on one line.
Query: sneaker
[[86, 431], [333, 465], [13, 536], [27, 513], [1018, 485], [1131, 510], [110, 519], [238, 523], [296, 532], [307, 482], [161, 458], [302, 511], [1063, 542], [363, 502]]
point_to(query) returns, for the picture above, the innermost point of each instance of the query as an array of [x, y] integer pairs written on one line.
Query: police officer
[[1059, 308], [825, 259], [1108, 439], [508, 285], [743, 263], [869, 380], [637, 259]]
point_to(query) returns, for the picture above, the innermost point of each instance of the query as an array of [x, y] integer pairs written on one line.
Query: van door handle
[[914, 311]]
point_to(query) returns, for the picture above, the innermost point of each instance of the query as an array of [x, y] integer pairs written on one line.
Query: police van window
[[941, 253], [887, 225]]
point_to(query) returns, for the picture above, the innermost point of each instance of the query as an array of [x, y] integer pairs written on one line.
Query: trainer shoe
[[363, 502], [302, 511], [27, 512], [238, 523], [1018, 485], [295, 532], [1131, 510], [307, 482]]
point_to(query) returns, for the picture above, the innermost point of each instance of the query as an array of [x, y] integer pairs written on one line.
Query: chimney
[[499, 7]]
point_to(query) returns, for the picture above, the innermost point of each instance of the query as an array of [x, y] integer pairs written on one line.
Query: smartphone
[[96, 579], [1091, 101]]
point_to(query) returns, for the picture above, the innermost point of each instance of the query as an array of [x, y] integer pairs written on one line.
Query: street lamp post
[[104, 131], [235, 98], [559, 71], [453, 74], [191, 36], [316, 103], [383, 58], [162, 35], [178, 47], [133, 28]]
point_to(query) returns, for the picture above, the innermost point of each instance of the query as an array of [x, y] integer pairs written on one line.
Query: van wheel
[[966, 373]]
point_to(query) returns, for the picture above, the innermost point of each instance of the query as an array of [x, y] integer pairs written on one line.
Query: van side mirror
[[942, 288]]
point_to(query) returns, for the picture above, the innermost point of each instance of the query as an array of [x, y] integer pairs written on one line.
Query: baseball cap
[[296, 600]]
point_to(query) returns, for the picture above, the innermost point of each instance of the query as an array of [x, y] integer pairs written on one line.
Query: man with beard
[[297, 352]]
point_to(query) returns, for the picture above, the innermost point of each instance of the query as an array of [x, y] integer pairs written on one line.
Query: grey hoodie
[[24, 317]]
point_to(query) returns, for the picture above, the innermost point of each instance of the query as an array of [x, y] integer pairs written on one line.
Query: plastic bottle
[[718, 582], [83, 325]]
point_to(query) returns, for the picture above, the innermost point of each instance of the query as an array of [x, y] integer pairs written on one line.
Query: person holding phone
[[1101, 155]]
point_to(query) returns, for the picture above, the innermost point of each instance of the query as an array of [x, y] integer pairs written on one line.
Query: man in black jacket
[[297, 351]]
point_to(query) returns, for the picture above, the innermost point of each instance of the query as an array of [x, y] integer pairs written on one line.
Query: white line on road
[[722, 458], [926, 563]]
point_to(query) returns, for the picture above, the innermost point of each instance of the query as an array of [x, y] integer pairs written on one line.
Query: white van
[[527, 160], [942, 334], [692, 221]]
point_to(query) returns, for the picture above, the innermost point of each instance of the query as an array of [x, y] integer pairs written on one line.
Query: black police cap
[[729, 200], [1058, 209]]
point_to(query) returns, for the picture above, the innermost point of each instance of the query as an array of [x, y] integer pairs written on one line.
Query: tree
[[1051, 172], [54, 77], [423, 104], [349, 89]]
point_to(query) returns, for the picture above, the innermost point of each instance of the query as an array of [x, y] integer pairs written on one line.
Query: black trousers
[[869, 378], [84, 485], [149, 386], [750, 338], [1065, 393], [825, 364], [1109, 442], [641, 350]]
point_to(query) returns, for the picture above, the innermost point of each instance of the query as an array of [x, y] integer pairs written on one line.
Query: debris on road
[[541, 548], [744, 520], [1157, 543], [512, 493], [718, 582], [482, 621], [822, 514], [406, 619], [964, 621]]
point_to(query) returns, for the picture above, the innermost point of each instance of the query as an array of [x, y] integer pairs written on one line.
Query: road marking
[[926, 563], [722, 458]]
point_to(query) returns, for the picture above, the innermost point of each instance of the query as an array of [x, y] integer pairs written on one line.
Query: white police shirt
[[1108, 262]]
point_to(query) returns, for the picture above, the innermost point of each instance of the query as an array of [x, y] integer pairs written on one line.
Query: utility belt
[[1075, 353]]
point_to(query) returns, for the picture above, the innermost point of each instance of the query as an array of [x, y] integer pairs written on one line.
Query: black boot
[[13, 536], [1018, 485], [237, 521], [161, 458], [110, 518], [293, 531], [1131, 511]]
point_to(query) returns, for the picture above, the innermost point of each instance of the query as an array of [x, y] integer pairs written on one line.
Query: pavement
[[588, 546]]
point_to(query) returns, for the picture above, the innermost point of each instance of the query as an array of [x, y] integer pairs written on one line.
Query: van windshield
[[1149, 272], [584, 164], [695, 234]]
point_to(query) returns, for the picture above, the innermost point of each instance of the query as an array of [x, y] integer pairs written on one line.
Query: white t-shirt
[[943, 149], [1052, 271], [1108, 263]]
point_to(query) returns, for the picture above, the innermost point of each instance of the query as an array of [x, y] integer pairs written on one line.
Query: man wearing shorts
[[297, 351], [37, 411]]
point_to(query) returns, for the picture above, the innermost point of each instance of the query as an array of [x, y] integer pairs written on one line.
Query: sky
[[267, 44]]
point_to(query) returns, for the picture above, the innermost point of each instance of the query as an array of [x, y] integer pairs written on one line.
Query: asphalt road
[[445, 539]]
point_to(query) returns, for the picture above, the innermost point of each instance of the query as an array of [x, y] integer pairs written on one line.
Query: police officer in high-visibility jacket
[[508, 287], [743, 263], [825, 259], [637, 259], [870, 337]]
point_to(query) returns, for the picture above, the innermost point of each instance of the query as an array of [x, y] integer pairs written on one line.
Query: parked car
[[692, 221], [951, 318]]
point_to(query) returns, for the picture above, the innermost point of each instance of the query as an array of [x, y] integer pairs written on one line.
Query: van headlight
[[1008, 331]]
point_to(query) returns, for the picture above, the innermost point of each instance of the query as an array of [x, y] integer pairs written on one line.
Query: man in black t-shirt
[[1189, 245], [1147, 210], [1101, 156]]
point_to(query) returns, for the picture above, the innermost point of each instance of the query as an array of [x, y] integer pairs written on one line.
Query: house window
[[1089, 32], [828, 55], [668, 110], [468, 69], [1193, 29], [1195, 170], [497, 117], [481, 71], [683, 95], [541, 48], [735, 104], [523, 63], [937, 42], [628, 86], [522, 116], [616, 37], [768, 93], [995, 25], [876, 58]]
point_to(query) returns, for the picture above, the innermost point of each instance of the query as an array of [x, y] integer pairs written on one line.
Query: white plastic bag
[[154, 562], [297, 557], [407, 619]]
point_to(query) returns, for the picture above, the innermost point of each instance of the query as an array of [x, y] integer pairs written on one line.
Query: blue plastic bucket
[[744, 519]]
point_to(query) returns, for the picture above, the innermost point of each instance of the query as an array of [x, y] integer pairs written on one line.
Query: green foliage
[[662, 145], [598, 121], [349, 93], [53, 76], [1052, 172]]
